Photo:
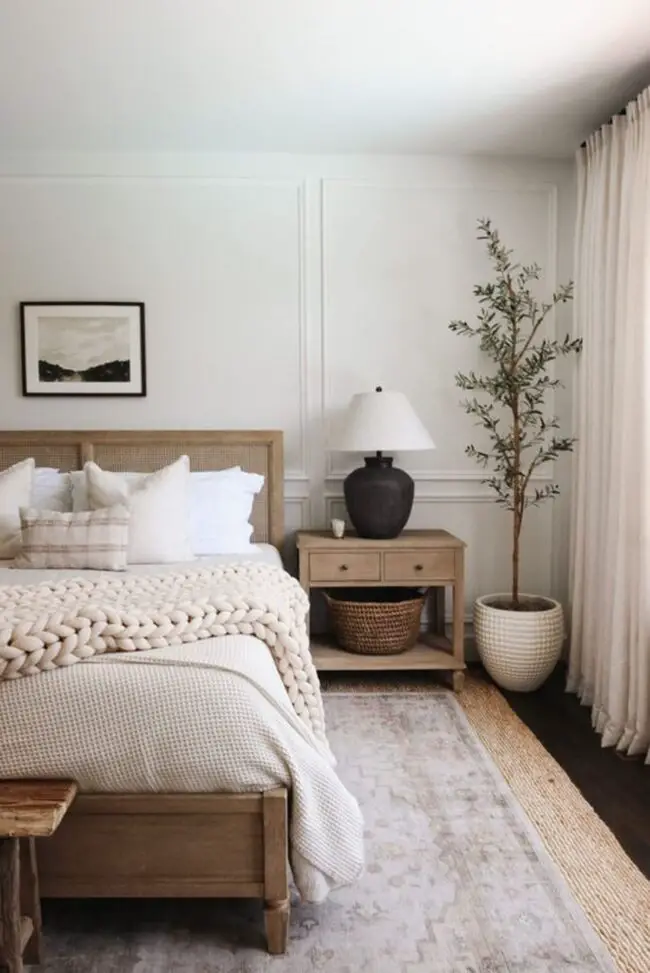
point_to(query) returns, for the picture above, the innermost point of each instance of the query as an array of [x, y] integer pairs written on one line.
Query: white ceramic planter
[[519, 649]]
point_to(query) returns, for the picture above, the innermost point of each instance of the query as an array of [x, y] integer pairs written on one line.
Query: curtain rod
[[623, 111]]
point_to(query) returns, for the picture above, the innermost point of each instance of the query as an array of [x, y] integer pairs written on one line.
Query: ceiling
[[519, 77]]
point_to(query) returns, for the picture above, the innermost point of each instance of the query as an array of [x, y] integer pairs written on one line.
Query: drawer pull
[[343, 567], [419, 567]]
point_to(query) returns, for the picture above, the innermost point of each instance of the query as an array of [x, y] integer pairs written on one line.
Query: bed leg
[[276, 879], [276, 923]]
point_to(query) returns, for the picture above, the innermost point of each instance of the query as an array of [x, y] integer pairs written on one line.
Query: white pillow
[[51, 490], [220, 506], [158, 504], [220, 511], [80, 492], [15, 492]]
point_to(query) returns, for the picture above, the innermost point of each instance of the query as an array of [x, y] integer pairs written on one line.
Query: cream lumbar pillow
[[15, 492], [158, 504], [92, 539]]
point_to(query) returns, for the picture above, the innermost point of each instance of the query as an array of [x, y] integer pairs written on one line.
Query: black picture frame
[[51, 379]]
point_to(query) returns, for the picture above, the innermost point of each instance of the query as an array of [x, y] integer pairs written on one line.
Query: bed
[[171, 844]]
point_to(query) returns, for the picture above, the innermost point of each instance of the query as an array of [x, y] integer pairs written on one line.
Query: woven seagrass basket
[[379, 621]]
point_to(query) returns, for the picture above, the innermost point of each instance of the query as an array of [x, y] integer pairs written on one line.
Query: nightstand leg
[[458, 634], [454, 678], [458, 681], [437, 608]]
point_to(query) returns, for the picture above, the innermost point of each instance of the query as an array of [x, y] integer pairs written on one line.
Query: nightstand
[[431, 559]]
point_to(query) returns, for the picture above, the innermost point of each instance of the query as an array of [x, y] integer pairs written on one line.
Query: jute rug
[[458, 880]]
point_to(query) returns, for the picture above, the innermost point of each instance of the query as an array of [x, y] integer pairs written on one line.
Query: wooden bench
[[29, 809]]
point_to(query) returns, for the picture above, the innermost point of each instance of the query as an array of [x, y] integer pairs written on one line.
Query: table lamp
[[379, 496]]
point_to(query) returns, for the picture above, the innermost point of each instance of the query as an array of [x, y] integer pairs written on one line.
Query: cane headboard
[[143, 452]]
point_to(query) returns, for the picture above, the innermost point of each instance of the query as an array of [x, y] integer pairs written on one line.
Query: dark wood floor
[[618, 788]]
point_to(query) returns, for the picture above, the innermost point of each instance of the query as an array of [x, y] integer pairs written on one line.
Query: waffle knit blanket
[[52, 625]]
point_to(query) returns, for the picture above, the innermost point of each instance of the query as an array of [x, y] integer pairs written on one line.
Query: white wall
[[275, 287]]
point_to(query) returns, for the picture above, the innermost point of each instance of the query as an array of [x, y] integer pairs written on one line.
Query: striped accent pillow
[[94, 539]]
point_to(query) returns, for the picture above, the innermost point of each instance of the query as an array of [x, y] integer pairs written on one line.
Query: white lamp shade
[[381, 422]]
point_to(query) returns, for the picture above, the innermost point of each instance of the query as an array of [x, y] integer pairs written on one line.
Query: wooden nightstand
[[415, 559]]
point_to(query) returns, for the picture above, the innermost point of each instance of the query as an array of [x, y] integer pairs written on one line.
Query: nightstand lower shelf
[[429, 654]]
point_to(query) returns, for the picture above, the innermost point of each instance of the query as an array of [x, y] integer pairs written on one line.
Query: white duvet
[[207, 717]]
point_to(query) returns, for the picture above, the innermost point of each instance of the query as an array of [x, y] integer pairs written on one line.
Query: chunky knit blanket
[[50, 625]]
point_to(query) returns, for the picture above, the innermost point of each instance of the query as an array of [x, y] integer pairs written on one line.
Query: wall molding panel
[[277, 287], [440, 476], [421, 498], [547, 234], [303, 350]]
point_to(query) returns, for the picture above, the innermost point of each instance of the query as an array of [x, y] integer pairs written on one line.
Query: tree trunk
[[516, 524], [518, 511], [518, 488]]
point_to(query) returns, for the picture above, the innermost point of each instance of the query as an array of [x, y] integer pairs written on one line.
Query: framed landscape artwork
[[83, 348]]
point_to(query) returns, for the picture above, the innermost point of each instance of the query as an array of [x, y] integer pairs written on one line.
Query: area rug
[[457, 879], [613, 892]]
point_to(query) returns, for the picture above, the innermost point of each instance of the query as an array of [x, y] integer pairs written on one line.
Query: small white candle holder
[[338, 528]]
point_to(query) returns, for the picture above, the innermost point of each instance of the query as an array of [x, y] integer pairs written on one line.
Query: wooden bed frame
[[171, 845]]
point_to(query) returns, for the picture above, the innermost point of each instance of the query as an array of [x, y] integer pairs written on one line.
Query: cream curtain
[[610, 543]]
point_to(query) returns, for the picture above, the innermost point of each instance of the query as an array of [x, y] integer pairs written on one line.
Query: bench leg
[[30, 900], [10, 925]]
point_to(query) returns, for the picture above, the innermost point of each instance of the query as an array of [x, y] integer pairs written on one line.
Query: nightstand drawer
[[419, 566], [348, 566]]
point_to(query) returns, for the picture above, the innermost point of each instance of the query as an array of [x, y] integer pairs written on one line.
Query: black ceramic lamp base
[[379, 498]]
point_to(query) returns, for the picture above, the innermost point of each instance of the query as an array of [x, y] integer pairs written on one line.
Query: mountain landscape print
[[87, 349], [83, 349]]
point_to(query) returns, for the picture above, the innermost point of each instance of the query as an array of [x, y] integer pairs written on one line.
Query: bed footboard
[[175, 846]]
